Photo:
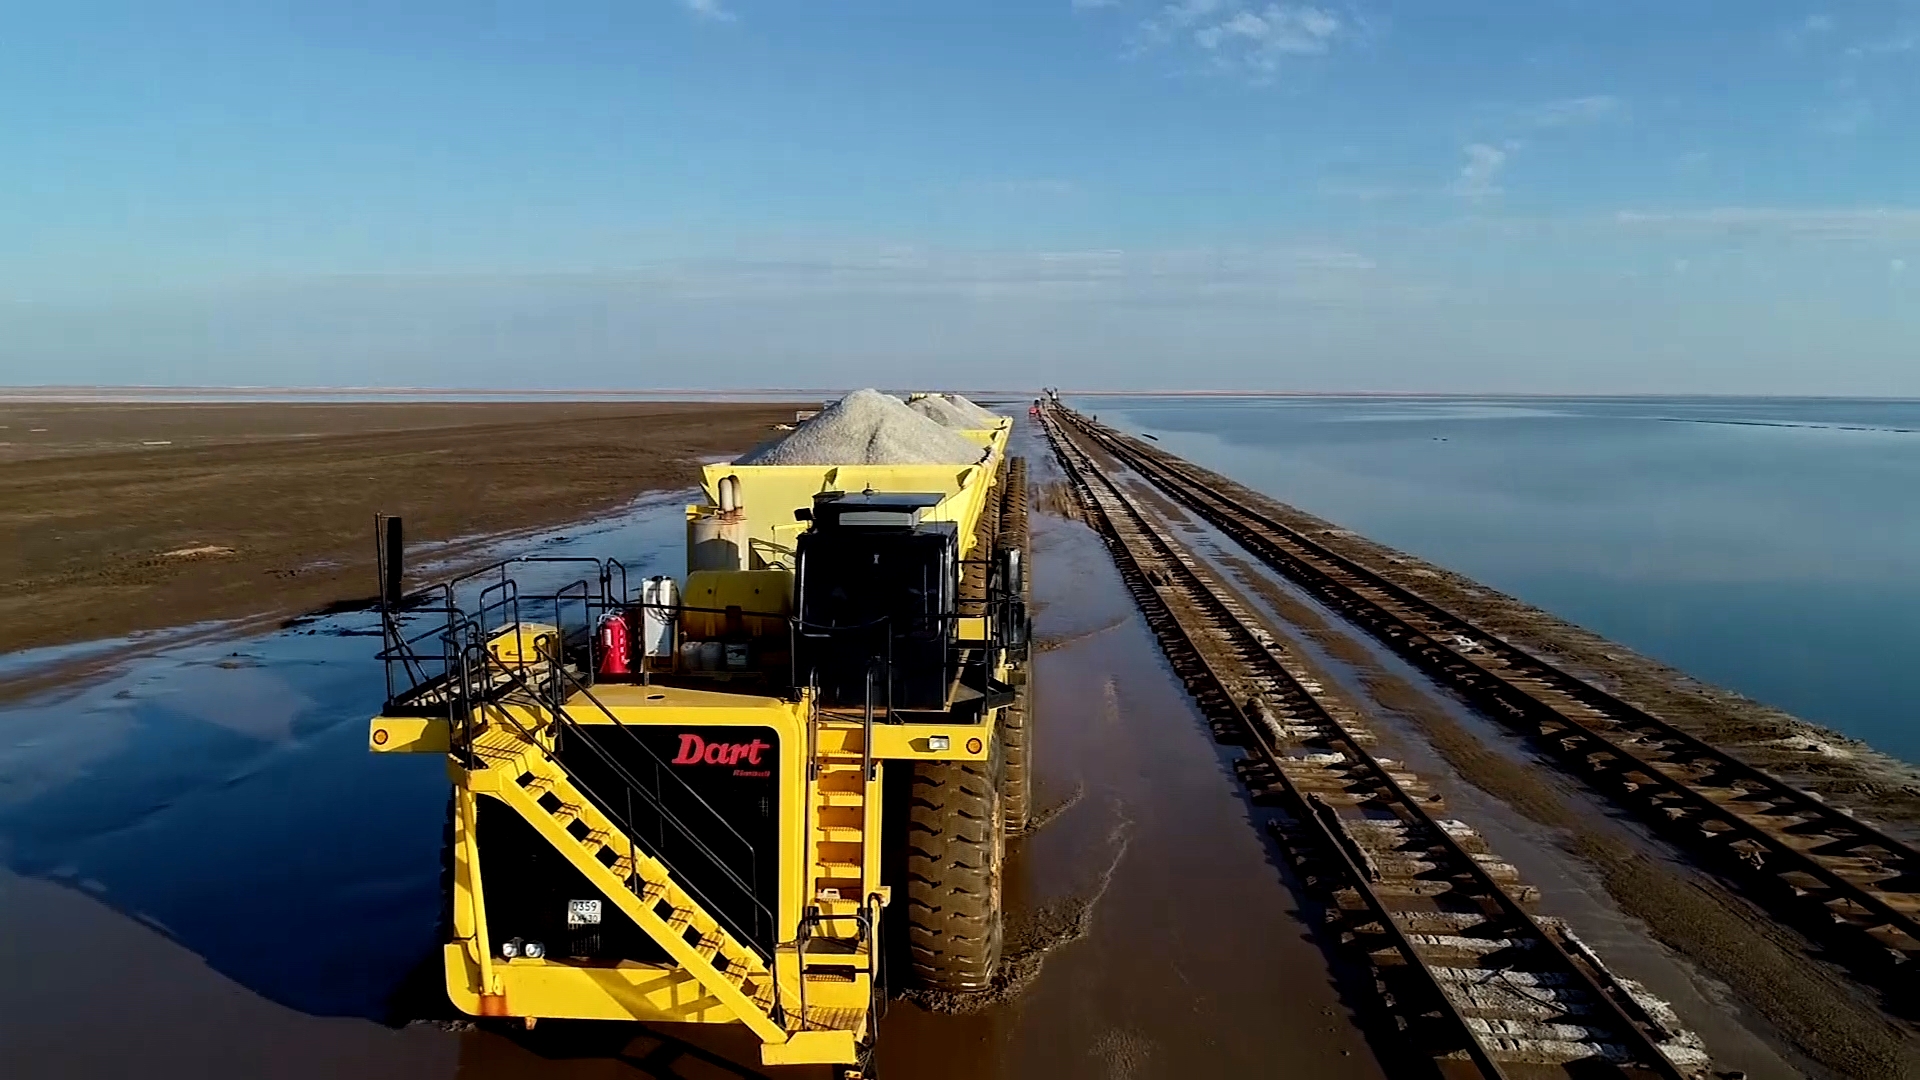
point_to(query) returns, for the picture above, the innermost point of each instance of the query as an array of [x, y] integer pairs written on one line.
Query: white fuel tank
[[717, 542], [659, 614]]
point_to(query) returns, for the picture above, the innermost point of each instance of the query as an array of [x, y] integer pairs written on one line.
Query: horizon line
[[160, 392]]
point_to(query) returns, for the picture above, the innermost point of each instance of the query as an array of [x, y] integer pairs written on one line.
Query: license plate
[[583, 913]]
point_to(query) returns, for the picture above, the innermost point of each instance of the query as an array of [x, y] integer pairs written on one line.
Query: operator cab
[[877, 592]]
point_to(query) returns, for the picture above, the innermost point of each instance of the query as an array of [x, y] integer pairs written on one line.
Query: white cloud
[[1845, 118], [1478, 178], [1904, 41], [1486, 159], [1867, 224], [1567, 112], [1897, 266], [1818, 24], [1271, 32], [1188, 12], [1019, 187], [1251, 40], [710, 9], [1366, 192]]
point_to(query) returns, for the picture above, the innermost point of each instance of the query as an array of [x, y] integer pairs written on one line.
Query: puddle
[[1179, 953], [221, 791], [1031, 935], [1044, 816], [213, 877]]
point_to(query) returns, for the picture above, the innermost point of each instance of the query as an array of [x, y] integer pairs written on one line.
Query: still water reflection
[[1769, 545]]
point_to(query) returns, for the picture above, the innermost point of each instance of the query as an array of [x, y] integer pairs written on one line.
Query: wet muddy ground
[[116, 518], [206, 873], [1191, 959]]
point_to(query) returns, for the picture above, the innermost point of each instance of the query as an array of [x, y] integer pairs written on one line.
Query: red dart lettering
[[695, 750]]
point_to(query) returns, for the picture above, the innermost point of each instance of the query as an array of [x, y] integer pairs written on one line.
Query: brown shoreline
[[119, 518]]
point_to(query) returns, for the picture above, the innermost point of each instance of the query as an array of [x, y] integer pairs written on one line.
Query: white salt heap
[[987, 417], [868, 427], [954, 411]]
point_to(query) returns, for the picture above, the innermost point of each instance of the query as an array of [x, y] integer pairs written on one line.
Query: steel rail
[[1311, 809], [1169, 625], [1504, 689]]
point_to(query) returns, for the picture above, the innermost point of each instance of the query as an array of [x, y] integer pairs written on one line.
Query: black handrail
[[652, 798], [471, 676]]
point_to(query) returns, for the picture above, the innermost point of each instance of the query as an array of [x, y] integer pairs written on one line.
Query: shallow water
[[1768, 545], [205, 873], [222, 792], [1193, 961]]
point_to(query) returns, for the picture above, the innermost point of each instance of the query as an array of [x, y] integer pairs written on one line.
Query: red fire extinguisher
[[616, 643]]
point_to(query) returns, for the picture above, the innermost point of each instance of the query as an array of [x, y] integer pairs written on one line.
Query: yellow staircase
[[523, 775], [844, 871]]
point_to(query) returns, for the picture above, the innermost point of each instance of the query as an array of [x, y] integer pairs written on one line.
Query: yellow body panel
[[428, 735], [600, 992], [519, 644], [764, 597], [769, 494], [828, 817], [407, 735]]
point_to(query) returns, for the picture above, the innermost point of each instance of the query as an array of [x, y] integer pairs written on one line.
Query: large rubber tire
[[1012, 519], [975, 570], [1016, 720], [1016, 781], [955, 848]]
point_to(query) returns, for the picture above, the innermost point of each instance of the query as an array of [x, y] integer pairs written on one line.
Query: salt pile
[[987, 417], [868, 427], [954, 411]]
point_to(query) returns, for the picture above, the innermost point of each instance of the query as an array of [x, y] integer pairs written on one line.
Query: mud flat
[[120, 518], [1844, 771]]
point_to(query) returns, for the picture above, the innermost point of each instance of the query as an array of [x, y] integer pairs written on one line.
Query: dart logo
[[695, 750]]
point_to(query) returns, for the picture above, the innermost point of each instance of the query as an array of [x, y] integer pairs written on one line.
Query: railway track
[[1475, 983], [1854, 888]]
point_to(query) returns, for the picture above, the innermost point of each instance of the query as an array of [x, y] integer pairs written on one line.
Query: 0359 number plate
[[583, 913]]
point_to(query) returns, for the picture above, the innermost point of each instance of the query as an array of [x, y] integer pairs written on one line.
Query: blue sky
[[1556, 195]]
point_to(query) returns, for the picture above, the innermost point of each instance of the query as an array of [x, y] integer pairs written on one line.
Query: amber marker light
[[379, 736], [973, 746]]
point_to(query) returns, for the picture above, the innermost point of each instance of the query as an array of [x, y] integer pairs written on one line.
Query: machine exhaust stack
[[392, 568]]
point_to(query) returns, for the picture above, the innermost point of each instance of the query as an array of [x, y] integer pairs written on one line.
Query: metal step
[[643, 889]]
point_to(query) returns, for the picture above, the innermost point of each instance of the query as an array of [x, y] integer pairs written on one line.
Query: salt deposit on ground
[[871, 428], [954, 411]]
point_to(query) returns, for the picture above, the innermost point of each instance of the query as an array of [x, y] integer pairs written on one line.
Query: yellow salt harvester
[[727, 798]]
